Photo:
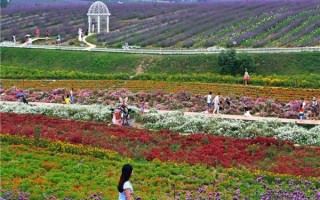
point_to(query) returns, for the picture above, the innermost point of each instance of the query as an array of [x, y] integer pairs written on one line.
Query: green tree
[[234, 63], [227, 60], [245, 60]]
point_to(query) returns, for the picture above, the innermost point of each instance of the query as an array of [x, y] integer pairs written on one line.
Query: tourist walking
[[58, 39], [301, 112], [314, 108], [14, 39], [246, 76], [24, 100], [124, 186], [209, 102], [47, 36], [71, 95], [303, 103], [216, 102]]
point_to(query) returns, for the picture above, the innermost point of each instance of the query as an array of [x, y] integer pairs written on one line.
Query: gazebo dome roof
[[98, 8]]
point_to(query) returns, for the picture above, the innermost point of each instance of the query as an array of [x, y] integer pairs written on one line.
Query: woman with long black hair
[[124, 186]]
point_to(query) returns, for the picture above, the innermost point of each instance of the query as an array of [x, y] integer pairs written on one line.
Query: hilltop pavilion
[[97, 14]]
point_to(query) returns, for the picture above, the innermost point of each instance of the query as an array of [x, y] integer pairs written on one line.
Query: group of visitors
[[69, 98], [215, 102], [314, 109], [28, 39]]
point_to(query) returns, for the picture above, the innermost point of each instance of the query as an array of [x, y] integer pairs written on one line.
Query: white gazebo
[[98, 12]]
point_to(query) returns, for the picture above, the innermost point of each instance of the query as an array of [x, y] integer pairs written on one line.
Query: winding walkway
[[91, 46], [222, 116]]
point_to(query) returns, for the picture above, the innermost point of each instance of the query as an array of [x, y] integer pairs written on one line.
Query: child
[[67, 99], [301, 112]]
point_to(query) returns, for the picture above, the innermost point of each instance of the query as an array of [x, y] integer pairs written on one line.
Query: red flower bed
[[260, 153]]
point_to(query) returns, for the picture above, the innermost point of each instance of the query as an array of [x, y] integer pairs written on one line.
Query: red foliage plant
[[167, 145]]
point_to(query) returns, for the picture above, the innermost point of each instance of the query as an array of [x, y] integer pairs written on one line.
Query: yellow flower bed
[[278, 93]]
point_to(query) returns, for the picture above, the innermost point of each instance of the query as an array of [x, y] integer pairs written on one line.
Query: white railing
[[162, 51]]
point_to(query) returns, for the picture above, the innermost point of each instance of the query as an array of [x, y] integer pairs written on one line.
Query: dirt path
[[139, 68]]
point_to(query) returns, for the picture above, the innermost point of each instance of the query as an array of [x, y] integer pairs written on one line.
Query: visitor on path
[[14, 39], [246, 76], [314, 108], [121, 114], [47, 36], [124, 186], [71, 95], [58, 39], [301, 112], [209, 102], [30, 41], [24, 100], [38, 32], [216, 103], [80, 34], [67, 99], [247, 111], [228, 101], [303, 103]]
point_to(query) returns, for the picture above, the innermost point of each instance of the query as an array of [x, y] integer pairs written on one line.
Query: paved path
[[161, 51], [91, 46], [222, 116]]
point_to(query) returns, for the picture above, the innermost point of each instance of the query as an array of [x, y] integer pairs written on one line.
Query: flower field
[[277, 93], [76, 159], [180, 25], [266, 154], [174, 101], [52, 172], [296, 81], [178, 122], [53, 150]]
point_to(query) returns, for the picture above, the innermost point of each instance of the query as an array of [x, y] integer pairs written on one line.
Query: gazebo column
[[107, 23], [89, 22], [98, 23]]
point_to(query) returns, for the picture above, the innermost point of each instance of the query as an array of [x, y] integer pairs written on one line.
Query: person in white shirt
[[209, 101], [216, 103], [71, 95], [303, 103], [124, 186]]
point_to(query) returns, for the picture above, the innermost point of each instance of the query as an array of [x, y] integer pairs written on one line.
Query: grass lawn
[[110, 63]]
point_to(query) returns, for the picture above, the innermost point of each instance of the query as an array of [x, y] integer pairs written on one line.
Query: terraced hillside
[[179, 25]]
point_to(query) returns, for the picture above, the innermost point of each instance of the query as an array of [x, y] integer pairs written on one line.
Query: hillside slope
[[98, 62]]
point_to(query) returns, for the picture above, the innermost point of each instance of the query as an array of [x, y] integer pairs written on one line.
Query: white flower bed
[[232, 128], [97, 113], [176, 121]]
